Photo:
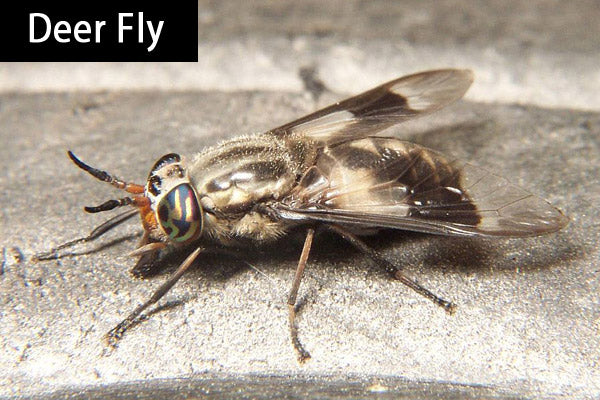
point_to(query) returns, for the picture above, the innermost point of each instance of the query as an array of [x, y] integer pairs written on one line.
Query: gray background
[[528, 320]]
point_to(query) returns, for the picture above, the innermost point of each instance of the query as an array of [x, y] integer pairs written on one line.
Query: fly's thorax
[[234, 176], [174, 202]]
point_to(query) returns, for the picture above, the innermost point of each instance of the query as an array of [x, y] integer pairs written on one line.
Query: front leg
[[115, 334]]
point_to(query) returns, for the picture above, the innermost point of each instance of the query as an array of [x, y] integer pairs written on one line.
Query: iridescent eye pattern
[[179, 214]]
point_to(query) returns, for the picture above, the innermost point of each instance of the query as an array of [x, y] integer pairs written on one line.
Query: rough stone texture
[[529, 310], [528, 316]]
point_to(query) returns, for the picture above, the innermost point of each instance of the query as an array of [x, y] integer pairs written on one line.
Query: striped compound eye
[[179, 214]]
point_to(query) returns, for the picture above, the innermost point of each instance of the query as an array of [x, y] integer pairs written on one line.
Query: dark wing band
[[379, 108]]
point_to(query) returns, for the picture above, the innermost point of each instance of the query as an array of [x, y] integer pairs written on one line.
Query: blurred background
[[542, 52]]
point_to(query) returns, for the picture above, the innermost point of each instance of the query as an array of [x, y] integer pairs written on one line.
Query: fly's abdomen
[[392, 177]]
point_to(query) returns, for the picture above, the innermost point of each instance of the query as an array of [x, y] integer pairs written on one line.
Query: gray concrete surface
[[528, 320], [528, 309]]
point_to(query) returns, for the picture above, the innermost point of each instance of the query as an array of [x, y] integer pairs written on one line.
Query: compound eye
[[179, 214]]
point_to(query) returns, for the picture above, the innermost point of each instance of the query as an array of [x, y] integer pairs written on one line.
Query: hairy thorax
[[234, 178]]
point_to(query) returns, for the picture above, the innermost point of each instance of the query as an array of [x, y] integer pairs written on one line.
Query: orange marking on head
[[148, 219]]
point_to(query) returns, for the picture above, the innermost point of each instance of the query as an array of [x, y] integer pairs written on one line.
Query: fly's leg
[[118, 331], [395, 271], [303, 354], [95, 234], [148, 264]]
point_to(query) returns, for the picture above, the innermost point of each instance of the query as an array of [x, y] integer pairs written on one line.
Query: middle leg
[[303, 354]]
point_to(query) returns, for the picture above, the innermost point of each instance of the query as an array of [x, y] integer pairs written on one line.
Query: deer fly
[[325, 171]]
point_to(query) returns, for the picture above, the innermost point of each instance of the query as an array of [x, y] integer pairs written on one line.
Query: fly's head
[[173, 206], [168, 203]]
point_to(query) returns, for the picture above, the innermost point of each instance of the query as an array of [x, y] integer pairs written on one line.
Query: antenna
[[138, 201], [106, 177]]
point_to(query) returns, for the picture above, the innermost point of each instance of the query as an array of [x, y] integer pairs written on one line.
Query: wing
[[379, 108], [388, 183]]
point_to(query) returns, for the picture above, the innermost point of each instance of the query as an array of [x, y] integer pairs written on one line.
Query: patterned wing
[[379, 108], [388, 183]]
